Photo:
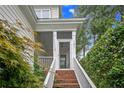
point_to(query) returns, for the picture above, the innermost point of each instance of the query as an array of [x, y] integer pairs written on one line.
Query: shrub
[[38, 70], [105, 61], [14, 68]]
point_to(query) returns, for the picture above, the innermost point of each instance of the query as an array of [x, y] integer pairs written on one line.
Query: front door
[[64, 55]]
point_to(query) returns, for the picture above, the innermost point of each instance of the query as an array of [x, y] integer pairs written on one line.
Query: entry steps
[[65, 79]]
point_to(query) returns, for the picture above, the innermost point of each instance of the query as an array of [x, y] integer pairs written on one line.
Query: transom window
[[64, 35]]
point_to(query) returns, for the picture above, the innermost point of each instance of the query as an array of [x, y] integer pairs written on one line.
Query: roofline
[[52, 30], [61, 21]]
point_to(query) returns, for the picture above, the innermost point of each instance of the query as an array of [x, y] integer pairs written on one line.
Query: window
[[38, 13], [43, 13], [46, 13], [64, 35]]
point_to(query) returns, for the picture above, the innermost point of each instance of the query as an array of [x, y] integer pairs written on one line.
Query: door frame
[[70, 50]]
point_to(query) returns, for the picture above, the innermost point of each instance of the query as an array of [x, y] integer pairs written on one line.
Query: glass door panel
[[62, 61]]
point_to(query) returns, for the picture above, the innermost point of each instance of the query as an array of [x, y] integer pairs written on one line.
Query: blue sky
[[68, 11], [118, 16]]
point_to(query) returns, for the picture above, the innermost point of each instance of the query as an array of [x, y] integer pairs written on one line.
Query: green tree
[[82, 40], [98, 17], [98, 20], [105, 61]]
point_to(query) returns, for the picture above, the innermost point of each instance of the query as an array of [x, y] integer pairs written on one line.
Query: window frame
[[38, 13], [46, 10]]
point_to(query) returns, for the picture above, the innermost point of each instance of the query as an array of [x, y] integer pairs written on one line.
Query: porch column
[[54, 44], [55, 49], [73, 48], [74, 43]]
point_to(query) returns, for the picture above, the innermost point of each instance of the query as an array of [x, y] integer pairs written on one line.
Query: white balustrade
[[48, 83], [82, 77], [45, 61]]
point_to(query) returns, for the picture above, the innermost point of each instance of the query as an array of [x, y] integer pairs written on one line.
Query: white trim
[[74, 43], [62, 20], [50, 22], [49, 80], [64, 40], [29, 14], [85, 74], [55, 49], [71, 54], [75, 22], [33, 14], [47, 30]]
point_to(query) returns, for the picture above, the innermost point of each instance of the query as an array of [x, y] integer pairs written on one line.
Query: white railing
[[45, 61], [82, 77], [48, 83]]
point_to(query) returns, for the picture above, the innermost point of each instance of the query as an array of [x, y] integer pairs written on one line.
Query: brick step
[[66, 81], [66, 77], [66, 85], [65, 74], [64, 71]]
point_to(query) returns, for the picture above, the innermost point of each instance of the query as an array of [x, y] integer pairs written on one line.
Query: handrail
[[48, 83], [82, 77]]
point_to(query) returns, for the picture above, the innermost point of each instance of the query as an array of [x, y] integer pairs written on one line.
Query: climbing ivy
[[105, 61]]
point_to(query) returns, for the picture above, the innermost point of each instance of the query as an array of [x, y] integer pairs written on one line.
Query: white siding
[[12, 14]]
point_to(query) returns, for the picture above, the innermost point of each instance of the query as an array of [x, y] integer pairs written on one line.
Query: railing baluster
[[45, 61]]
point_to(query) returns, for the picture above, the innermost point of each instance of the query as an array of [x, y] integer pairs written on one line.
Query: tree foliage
[[82, 40], [97, 21], [15, 70], [105, 61], [98, 17]]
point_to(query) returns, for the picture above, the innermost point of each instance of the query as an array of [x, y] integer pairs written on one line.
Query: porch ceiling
[[58, 24]]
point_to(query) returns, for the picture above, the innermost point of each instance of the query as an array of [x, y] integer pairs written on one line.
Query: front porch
[[57, 45], [58, 37], [59, 40]]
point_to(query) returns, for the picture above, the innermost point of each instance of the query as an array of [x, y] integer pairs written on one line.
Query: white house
[[58, 37]]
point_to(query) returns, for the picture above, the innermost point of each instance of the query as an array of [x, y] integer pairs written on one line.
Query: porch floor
[[65, 79]]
